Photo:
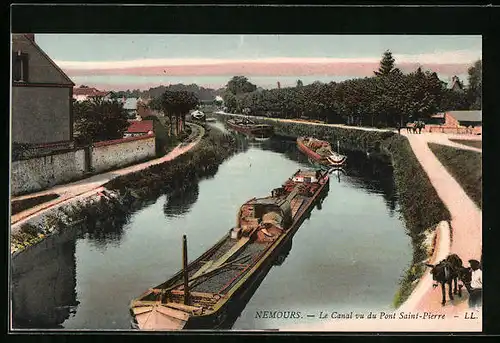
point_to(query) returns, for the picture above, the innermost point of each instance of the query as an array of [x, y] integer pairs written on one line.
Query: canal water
[[348, 256]]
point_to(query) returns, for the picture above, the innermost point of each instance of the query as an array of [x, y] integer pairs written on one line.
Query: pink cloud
[[266, 69], [141, 86]]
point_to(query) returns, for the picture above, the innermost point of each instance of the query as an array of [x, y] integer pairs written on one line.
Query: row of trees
[[201, 93], [388, 98], [176, 105]]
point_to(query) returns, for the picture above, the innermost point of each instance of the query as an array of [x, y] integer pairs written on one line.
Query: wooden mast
[[185, 267]]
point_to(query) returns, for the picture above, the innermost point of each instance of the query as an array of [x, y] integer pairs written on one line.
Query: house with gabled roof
[[455, 84], [464, 118], [83, 93], [139, 128], [41, 96]]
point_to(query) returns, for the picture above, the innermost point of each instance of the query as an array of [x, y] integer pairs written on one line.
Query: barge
[[321, 152], [204, 292], [249, 127]]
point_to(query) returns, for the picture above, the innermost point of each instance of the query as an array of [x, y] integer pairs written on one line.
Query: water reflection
[[236, 307], [178, 203], [44, 283], [373, 174], [105, 225]]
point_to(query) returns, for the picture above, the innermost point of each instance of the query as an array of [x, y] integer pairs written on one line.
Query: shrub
[[174, 174]]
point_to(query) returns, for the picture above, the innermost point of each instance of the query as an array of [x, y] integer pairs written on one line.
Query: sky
[[126, 61]]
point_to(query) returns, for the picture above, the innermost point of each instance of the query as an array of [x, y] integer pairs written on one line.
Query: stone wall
[[35, 174], [39, 173], [112, 154]]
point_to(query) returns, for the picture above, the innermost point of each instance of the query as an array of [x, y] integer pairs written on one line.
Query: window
[[20, 67]]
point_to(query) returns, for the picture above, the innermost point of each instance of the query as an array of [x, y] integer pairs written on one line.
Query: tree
[[299, 83], [387, 65], [230, 102], [99, 120], [239, 85], [178, 104], [475, 89]]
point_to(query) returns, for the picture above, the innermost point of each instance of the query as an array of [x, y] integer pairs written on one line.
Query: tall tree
[[177, 104], [475, 88], [239, 85], [299, 83], [387, 65], [98, 120]]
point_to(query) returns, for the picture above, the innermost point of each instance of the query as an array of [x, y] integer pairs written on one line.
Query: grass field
[[474, 144], [465, 166]]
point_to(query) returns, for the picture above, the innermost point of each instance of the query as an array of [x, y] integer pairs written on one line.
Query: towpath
[[93, 184], [446, 139], [466, 221], [343, 126]]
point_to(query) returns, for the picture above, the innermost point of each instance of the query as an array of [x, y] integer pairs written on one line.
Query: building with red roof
[[139, 128]]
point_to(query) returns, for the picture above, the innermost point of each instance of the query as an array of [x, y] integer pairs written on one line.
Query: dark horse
[[445, 272]]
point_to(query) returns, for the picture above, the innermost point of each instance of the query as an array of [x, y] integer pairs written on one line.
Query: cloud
[[453, 57], [265, 69], [150, 71]]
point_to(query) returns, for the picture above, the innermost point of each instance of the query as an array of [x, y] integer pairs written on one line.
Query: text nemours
[[266, 314]]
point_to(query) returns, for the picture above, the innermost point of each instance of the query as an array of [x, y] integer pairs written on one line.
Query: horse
[[410, 127], [446, 272]]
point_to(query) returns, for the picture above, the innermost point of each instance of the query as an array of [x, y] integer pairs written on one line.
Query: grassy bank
[[421, 208], [471, 143], [24, 204], [130, 192], [202, 160], [465, 166]]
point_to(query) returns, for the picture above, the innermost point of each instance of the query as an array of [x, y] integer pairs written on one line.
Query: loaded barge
[[249, 127], [321, 152], [203, 292]]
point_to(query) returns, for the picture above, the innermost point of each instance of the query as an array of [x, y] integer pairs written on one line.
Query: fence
[[454, 129]]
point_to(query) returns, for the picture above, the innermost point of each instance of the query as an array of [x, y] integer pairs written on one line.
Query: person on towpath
[[476, 285]]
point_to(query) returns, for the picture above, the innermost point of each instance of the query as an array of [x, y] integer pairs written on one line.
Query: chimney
[[30, 36]]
